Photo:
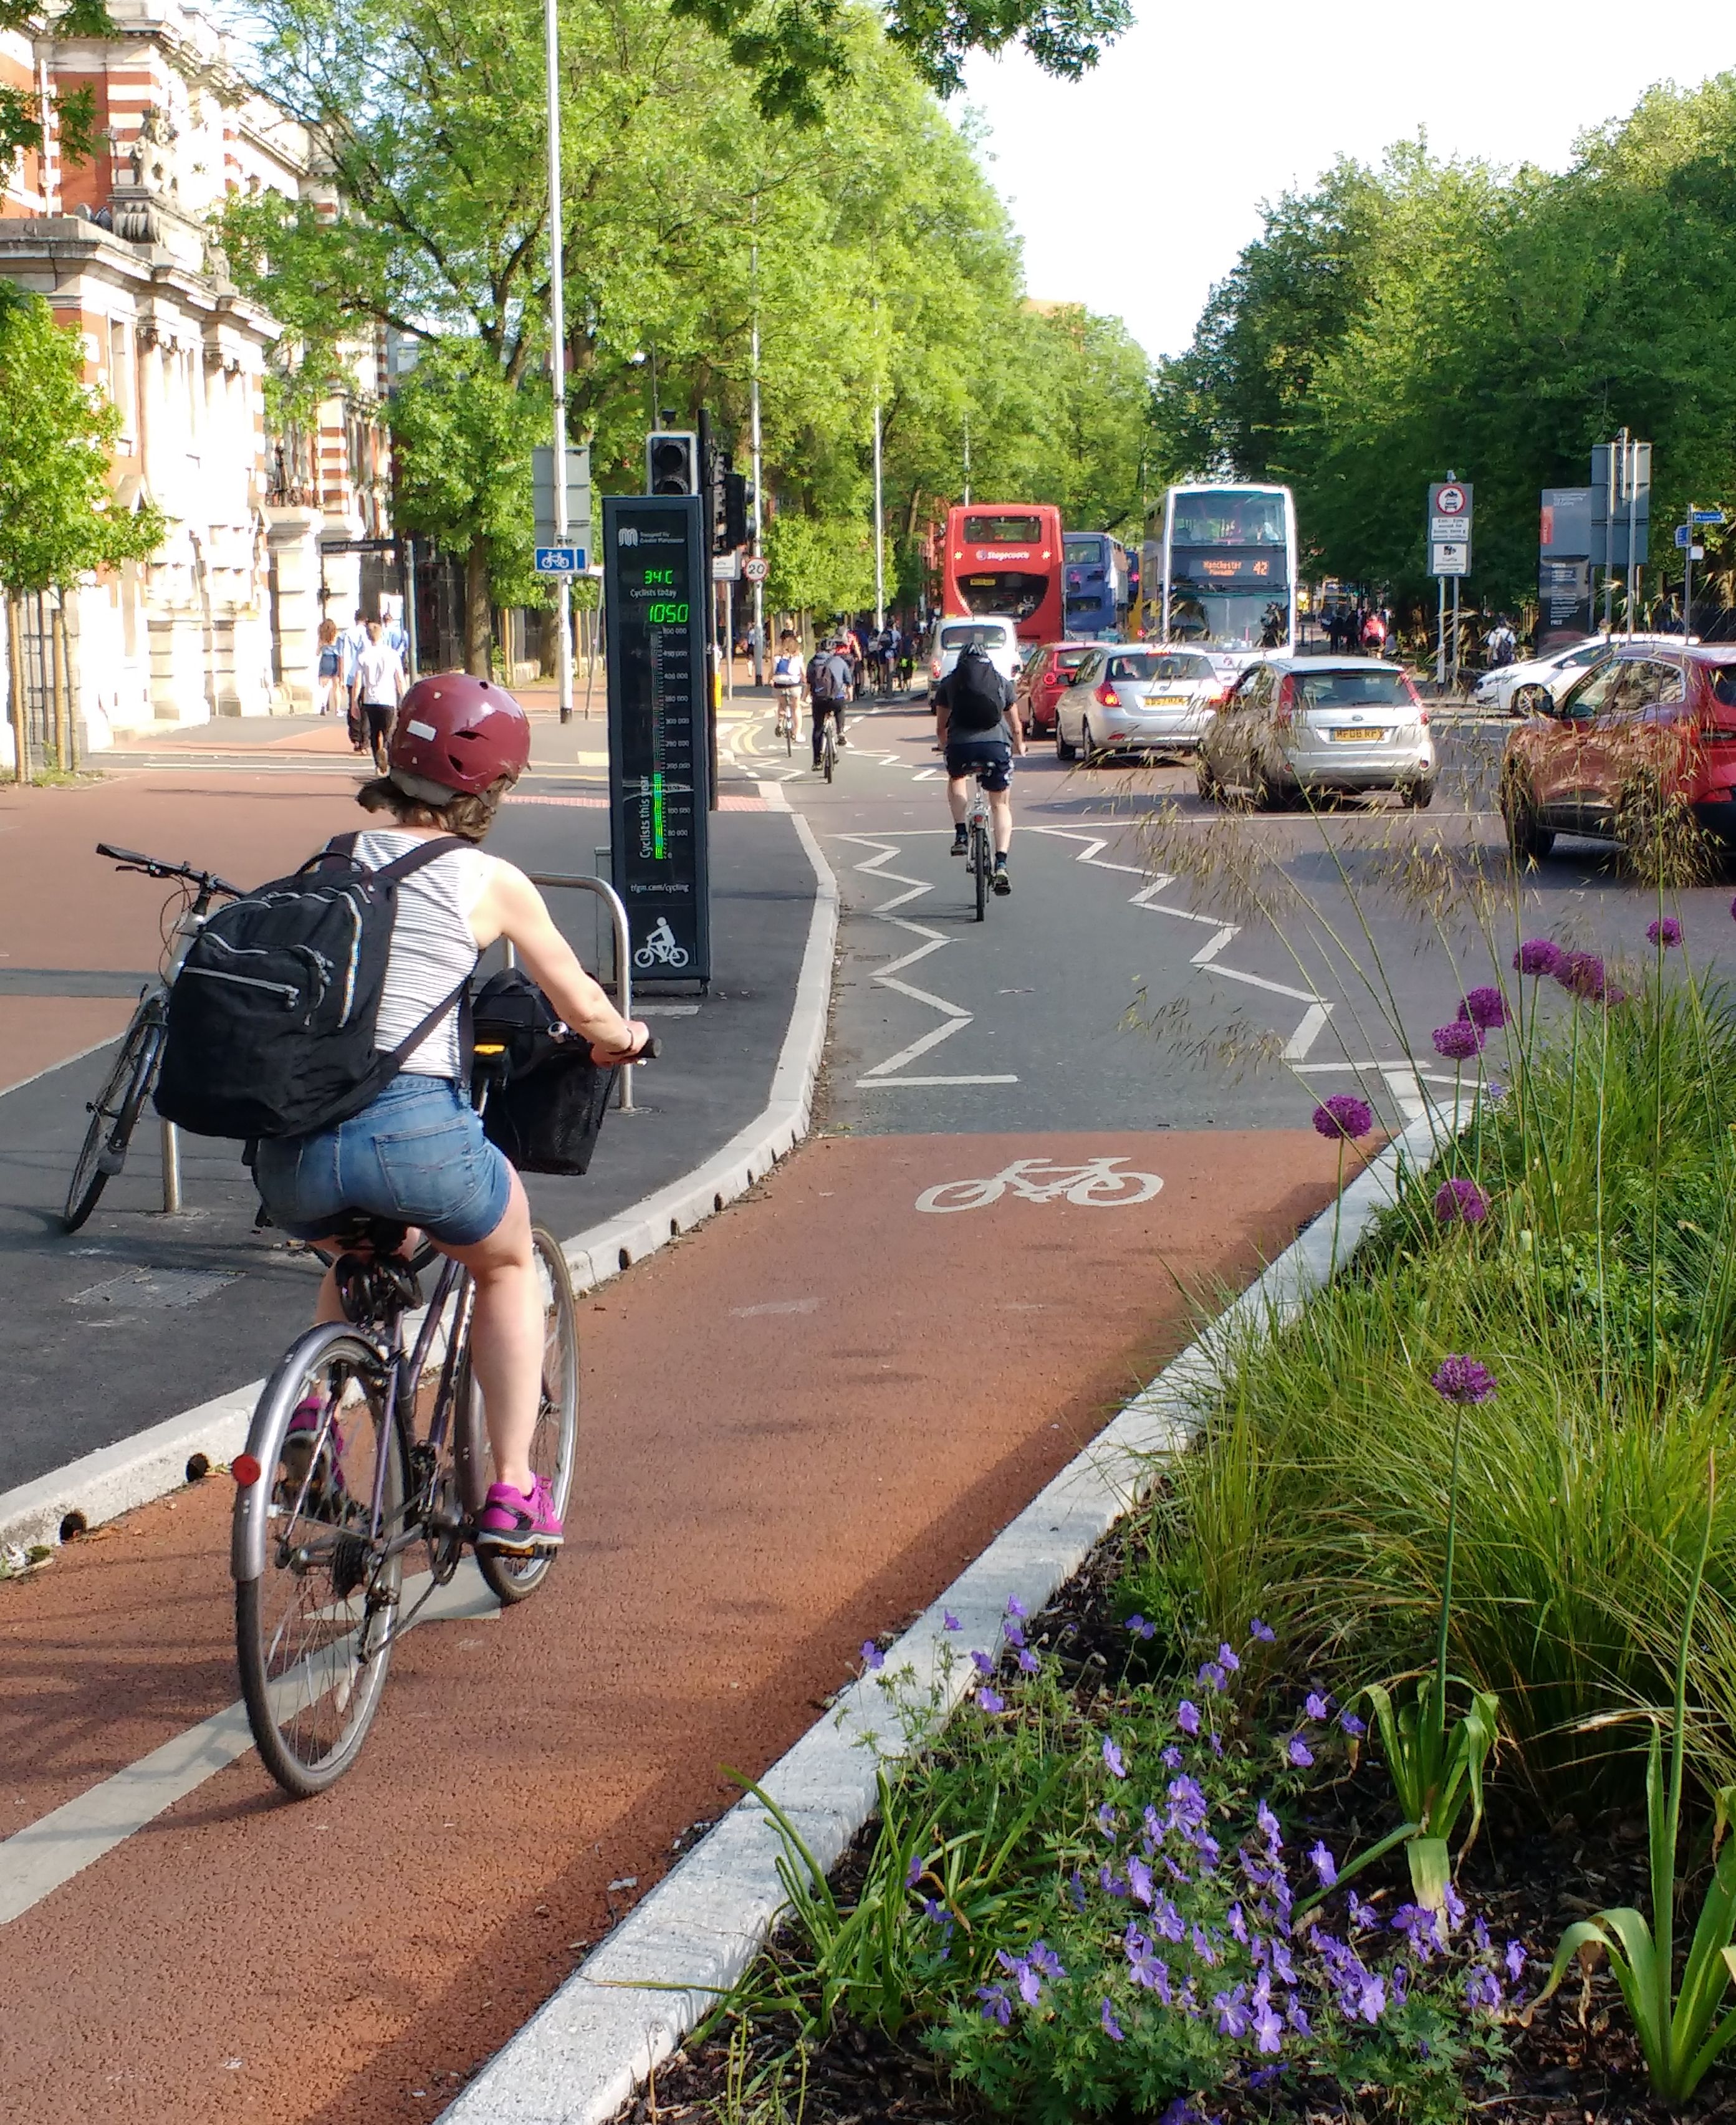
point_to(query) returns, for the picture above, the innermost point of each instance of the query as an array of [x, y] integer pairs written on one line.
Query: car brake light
[[1285, 713], [1105, 694]]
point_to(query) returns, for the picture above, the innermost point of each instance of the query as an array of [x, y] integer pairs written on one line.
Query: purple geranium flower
[[1483, 1988], [949, 1622], [1263, 1632], [1188, 1718], [1541, 955], [1665, 933], [983, 1664], [1515, 1960], [1299, 1752], [1140, 1628], [997, 2007], [1485, 1007], [1112, 1756], [1029, 1664], [1460, 1202], [1139, 1881], [1233, 2017], [1463, 1380], [1351, 1724], [1041, 1957], [1015, 1607], [914, 1872], [1210, 1676], [1171, 1758], [1106, 1819], [872, 1656], [1013, 1634], [1314, 1705], [1457, 1042], [1343, 1116], [1227, 1659], [1321, 1859], [991, 1700], [1111, 2028]]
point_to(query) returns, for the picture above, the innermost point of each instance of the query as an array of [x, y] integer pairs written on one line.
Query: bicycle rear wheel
[[317, 1585], [114, 1115], [554, 1445], [982, 863], [829, 750]]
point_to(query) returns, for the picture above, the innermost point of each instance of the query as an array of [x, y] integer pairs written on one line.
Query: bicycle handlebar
[[154, 867]]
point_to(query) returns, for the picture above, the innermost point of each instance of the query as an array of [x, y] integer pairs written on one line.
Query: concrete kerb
[[629, 2006], [132, 1473]]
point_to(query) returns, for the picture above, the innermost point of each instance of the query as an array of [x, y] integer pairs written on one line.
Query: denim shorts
[[417, 1153]]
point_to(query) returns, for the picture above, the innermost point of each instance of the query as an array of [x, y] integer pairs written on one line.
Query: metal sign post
[[657, 587], [558, 345], [1449, 558]]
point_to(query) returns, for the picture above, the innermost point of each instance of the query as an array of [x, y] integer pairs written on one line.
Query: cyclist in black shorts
[[978, 725]]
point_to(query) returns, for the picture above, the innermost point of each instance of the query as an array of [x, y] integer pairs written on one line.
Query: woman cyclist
[[418, 1153]]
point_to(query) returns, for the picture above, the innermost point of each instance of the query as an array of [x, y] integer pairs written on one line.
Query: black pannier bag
[[272, 1018], [546, 1096]]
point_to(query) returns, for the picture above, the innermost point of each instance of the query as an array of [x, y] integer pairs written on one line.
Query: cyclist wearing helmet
[[418, 1151], [978, 728]]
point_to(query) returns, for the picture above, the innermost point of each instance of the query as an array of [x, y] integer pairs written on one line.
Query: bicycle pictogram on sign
[[1095, 1184]]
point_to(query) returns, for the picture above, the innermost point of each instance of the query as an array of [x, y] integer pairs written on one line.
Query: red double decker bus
[[1006, 557]]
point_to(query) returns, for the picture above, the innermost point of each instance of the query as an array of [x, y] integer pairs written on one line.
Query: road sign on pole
[[560, 560], [1450, 528], [1707, 516], [756, 568], [1448, 557]]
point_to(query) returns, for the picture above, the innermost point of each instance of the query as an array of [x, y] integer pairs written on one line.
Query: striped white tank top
[[433, 948]]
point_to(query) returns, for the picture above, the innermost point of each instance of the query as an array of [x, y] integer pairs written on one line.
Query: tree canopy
[[1389, 325]]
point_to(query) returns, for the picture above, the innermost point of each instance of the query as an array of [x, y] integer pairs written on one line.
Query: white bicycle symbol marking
[[1095, 1184], [660, 949]]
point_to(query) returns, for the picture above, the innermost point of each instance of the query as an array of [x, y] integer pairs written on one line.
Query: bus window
[[1002, 530]]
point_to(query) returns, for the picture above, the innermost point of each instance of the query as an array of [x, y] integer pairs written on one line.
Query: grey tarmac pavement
[[139, 1315]]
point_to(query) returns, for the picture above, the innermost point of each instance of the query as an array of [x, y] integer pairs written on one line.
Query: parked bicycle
[[355, 1466], [116, 1110]]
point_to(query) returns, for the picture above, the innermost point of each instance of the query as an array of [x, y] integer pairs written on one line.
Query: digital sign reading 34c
[[656, 579]]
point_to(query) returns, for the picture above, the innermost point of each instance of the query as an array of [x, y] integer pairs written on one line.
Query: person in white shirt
[[375, 690]]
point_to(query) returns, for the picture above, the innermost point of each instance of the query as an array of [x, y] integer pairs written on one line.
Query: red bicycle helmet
[[456, 733]]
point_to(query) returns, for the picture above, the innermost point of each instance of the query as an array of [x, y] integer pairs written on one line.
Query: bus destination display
[[656, 579]]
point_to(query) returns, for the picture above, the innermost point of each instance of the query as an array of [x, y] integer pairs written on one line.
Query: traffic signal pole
[[558, 348], [759, 644]]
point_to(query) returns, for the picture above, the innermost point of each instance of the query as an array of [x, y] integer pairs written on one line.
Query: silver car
[[1320, 723], [1137, 699]]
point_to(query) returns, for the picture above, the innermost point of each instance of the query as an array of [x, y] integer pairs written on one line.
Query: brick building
[[223, 621]]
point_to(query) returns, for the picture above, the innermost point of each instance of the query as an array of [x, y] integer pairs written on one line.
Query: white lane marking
[[1313, 1021], [36, 1860], [774, 1306], [1208, 952], [1260, 981], [954, 1016]]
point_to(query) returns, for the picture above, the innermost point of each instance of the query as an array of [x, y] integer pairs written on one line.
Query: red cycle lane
[[799, 1423]]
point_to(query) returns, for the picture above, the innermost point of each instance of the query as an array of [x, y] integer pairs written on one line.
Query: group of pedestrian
[[361, 674], [1369, 629]]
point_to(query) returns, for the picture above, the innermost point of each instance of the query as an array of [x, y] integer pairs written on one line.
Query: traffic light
[[672, 462], [735, 511]]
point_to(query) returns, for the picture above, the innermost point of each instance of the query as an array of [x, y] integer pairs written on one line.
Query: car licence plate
[[1356, 737], [1165, 700]]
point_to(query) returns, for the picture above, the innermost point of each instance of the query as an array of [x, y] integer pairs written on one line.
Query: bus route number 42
[[1094, 1183]]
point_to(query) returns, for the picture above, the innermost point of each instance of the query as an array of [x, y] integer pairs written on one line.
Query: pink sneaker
[[521, 1526], [308, 1415]]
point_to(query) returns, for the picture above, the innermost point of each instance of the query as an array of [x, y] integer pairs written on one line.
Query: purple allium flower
[[1171, 1758], [991, 1700], [1457, 1042], [1483, 1988], [1460, 1202], [1463, 1380], [914, 1872], [983, 1664], [1543, 955], [1515, 1960], [1485, 1007], [1299, 1752], [1029, 1664], [1140, 1628], [872, 1656], [1321, 1859], [1582, 973], [1188, 1718], [1343, 1117], [1666, 934], [1227, 1659], [1351, 1724], [1210, 1676], [1015, 1607], [997, 2007], [1314, 1705], [1111, 2028], [1263, 1632], [949, 1622], [1112, 1756]]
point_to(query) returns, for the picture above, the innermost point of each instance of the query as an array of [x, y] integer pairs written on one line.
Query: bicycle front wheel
[[554, 1442], [982, 863], [114, 1115], [317, 1581]]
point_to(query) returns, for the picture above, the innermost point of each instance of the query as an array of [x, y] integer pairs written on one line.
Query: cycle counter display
[[656, 580]]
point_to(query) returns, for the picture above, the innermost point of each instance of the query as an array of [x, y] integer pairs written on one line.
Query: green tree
[[22, 113], [819, 564]]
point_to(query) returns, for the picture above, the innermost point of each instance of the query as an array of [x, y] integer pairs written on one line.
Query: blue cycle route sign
[[560, 560]]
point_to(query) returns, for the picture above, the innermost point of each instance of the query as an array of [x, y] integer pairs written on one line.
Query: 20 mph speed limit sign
[[756, 570]]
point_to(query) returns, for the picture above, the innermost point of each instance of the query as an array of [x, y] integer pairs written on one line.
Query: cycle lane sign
[[1093, 1183]]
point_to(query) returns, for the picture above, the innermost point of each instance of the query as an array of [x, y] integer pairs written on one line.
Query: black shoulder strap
[[413, 1040]]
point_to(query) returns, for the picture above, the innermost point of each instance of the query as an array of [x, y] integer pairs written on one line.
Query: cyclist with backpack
[[786, 684], [323, 1015], [978, 727], [829, 689]]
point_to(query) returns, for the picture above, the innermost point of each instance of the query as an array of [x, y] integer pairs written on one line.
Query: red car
[[1651, 727], [1047, 675]]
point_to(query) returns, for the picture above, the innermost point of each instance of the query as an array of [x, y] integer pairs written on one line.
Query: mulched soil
[[1576, 2064]]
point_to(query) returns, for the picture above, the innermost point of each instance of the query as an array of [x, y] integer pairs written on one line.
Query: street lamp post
[[558, 338], [759, 595]]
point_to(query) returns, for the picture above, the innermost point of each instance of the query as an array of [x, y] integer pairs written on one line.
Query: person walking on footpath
[[329, 691], [376, 690]]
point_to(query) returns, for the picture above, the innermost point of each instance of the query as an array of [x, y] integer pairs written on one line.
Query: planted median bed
[[1376, 1766]]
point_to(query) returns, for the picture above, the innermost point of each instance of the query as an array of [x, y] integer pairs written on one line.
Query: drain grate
[[150, 1289]]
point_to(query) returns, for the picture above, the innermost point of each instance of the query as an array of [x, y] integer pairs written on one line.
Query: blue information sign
[[560, 560]]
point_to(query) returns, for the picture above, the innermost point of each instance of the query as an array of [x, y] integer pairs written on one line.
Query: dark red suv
[[1047, 675], [1651, 727]]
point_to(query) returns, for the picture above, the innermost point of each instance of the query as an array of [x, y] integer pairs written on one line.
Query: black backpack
[[271, 1019]]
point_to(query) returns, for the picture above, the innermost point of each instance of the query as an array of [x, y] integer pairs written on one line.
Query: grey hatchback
[[1323, 723]]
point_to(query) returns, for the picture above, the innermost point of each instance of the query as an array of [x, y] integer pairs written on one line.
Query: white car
[[955, 635], [1138, 699], [1557, 671], [1319, 723]]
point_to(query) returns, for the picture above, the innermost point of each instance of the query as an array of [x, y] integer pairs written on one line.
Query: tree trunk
[[63, 720], [479, 610], [15, 671]]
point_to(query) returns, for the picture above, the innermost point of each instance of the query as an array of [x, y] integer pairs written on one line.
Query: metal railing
[[623, 954]]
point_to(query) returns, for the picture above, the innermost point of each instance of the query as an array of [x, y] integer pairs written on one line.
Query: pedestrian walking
[[375, 690], [329, 690]]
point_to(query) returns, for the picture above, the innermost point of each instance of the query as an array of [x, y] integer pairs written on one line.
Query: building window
[[123, 380]]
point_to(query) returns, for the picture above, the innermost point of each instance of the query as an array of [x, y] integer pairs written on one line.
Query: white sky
[[1134, 189]]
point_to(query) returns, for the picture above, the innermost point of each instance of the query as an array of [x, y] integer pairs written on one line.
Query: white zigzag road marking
[[954, 1016]]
